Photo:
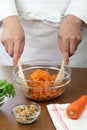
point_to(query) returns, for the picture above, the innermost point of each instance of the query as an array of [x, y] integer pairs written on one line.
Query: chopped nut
[[25, 113]]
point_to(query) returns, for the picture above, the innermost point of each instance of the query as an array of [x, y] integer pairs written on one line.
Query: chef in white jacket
[[43, 29]]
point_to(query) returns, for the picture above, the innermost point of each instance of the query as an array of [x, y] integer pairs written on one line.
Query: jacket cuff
[[7, 8], [78, 9]]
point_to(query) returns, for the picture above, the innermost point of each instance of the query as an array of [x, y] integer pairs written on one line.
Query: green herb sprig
[[7, 88]]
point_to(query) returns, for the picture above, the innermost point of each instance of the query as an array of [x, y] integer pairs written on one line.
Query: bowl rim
[[5, 97], [30, 103], [34, 117], [14, 75]]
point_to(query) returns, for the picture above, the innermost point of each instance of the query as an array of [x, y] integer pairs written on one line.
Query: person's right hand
[[69, 36], [13, 37]]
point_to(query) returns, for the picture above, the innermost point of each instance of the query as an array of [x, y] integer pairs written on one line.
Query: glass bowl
[[3, 99], [40, 86], [26, 114]]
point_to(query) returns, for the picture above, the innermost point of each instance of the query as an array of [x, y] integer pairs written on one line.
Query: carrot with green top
[[75, 109]]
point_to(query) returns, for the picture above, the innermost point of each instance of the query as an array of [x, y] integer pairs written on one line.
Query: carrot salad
[[42, 83]]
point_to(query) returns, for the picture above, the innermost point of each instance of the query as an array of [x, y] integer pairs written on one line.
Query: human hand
[[13, 37], [69, 36]]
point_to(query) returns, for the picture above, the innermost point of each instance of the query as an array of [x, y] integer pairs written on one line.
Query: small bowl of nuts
[[26, 114]]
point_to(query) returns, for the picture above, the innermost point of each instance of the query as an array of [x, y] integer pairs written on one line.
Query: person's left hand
[[69, 36]]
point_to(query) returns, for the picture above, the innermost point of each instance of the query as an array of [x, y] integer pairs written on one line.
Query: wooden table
[[77, 87]]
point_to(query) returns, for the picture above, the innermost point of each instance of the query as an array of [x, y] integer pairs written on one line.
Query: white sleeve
[[7, 8], [78, 8]]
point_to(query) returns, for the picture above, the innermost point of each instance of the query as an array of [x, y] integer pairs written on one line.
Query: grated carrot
[[42, 83]]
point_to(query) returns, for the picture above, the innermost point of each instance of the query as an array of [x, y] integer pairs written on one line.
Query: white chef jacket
[[43, 18]]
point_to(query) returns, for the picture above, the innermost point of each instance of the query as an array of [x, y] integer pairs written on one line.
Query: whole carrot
[[75, 109]]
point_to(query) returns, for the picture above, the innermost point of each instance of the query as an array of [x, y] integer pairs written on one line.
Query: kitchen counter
[[77, 87]]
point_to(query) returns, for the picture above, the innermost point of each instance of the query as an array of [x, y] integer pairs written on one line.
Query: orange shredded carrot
[[42, 83]]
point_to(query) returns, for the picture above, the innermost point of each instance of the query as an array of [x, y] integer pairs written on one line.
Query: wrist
[[9, 19], [74, 20]]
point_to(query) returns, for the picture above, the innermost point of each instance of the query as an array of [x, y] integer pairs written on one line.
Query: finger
[[18, 49], [16, 57], [8, 44], [73, 46], [66, 54], [10, 49], [65, 47], [60, 43], [5, 46], [66, 57]]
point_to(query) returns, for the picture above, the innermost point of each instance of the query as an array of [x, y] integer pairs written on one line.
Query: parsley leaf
[[7, 88]]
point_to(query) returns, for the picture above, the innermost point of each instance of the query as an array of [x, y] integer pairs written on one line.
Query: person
[[43, 29]]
